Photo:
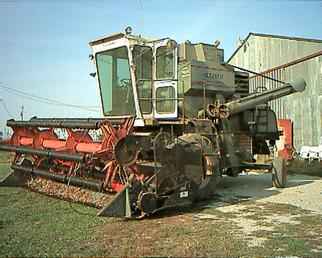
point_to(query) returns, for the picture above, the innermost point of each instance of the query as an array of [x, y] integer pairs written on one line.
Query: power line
[[45, 100], [5, 108]]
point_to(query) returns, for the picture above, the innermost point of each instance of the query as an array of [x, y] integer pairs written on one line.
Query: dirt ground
[[262, 212], [246, 217]]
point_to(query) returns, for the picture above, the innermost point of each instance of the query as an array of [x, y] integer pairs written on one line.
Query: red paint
[[25, 141], [88, 147], [53, 144], [41, 136], [285, 145], [79, 141], [117, 187]]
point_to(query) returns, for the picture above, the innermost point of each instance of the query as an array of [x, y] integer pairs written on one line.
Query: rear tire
[[279, 173]]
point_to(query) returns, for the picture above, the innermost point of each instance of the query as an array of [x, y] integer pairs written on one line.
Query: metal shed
[[285, 59]]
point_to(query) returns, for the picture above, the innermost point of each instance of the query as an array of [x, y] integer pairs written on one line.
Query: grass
[[176, 234], [36, 225], [4, 170]]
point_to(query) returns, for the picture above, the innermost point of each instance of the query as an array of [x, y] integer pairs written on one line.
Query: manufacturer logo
[[214, 76]]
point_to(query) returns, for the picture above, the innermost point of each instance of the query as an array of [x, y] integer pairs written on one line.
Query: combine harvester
[[176, 118]]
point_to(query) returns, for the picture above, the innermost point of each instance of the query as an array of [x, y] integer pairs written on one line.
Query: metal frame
[[139, 121], [156, 84]]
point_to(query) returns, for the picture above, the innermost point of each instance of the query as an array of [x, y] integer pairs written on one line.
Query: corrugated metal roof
[[272, 36]]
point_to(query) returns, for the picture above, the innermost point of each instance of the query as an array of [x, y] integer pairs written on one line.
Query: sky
[[44, 43]]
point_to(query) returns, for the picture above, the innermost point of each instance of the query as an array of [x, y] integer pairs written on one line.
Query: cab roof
[[106, 39]]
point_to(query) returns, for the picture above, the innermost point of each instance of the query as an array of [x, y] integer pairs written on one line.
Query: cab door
[[165, 104]]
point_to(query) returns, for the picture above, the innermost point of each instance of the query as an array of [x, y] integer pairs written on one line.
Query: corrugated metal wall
[[305, 109]]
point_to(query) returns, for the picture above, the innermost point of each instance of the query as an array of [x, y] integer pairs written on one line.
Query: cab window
[[142, 56], [164, 63]]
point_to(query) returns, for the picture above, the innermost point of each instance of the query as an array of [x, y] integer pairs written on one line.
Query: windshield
[[115, 82], [142, 56]]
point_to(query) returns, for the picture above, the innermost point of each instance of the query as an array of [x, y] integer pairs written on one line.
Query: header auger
[[176, 119], [41, 152]]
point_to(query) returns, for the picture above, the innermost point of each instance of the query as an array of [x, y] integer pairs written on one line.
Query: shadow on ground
[[235, 190]]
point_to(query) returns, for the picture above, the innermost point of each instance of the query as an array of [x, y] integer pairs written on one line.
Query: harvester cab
[[176, 118], [132, 73], [148, 78]]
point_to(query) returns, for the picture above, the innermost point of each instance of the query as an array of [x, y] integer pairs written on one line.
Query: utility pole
[[21, 113], [3, 135]]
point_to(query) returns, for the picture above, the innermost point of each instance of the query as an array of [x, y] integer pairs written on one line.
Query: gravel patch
[[252, 218], [302, 191], [280, 219], [237, 208], [307, 195]]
